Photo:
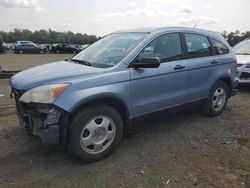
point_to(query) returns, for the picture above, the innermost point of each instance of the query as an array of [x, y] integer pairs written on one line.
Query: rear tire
[[95, 131], [217, 100]]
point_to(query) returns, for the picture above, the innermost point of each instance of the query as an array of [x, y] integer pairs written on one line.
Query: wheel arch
[[113, 101], [229, 83]]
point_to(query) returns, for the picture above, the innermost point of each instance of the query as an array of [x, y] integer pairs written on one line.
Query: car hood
[[57, 72], [243, 59]]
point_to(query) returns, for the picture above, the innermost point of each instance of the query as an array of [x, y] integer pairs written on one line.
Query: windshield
[[242, 48], [110, 50]]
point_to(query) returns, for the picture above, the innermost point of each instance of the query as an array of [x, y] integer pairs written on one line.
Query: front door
[[153, 89]]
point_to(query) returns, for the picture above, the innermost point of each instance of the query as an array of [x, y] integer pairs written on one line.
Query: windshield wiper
[[83, 62]]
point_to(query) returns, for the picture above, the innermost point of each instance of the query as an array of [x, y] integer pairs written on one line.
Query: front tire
[[217, 100], [96, 131]]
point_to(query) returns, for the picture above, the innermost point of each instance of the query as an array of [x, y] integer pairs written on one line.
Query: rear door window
[[197, 45]]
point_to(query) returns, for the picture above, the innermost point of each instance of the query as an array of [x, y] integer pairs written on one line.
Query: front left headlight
[[43, 94]]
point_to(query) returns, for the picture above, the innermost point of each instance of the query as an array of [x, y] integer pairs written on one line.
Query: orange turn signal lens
[[56, 91]]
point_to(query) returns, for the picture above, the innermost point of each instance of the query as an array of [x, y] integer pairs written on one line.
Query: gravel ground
[[175, 149], [179, 148]]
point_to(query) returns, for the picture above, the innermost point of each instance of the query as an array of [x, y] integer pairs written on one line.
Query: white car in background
[[242, 52]]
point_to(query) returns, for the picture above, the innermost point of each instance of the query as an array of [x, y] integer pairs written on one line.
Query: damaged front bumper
[[45, 121], [41, 121]]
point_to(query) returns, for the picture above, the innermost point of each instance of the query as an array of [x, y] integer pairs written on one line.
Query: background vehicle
[[64, 48], [21, 47], [46, 46], [79, 47], [84, 46], [88, 100], [19, 43], [242, 51]]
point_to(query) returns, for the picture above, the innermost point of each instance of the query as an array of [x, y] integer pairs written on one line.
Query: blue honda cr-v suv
[[85, 102]]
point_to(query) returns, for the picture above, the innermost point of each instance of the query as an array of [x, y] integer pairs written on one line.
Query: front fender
[[72, 99]]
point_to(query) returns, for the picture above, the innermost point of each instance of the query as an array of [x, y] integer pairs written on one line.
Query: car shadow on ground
[[245, 88], [157, 121]]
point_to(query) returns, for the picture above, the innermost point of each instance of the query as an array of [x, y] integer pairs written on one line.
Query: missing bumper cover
[[42, 121]]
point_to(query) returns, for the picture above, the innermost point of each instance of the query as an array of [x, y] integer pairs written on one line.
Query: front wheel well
[[114, 102]]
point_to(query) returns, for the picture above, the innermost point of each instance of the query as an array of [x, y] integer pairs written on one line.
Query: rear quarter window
[[219, 48]]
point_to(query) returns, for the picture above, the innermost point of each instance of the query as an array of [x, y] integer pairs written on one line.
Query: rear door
[[24, 48], [153, 89], [28, 48], [200, 65], [33, 48]]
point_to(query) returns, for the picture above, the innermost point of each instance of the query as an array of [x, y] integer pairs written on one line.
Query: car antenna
[[195, 25]]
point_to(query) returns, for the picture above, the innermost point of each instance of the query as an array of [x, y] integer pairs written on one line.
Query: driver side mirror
[[147, 62]]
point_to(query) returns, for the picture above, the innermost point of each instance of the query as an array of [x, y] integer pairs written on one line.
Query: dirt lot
[[14, 62], [180, 148]]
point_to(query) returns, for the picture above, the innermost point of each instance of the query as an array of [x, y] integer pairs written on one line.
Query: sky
[[102, 17]]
